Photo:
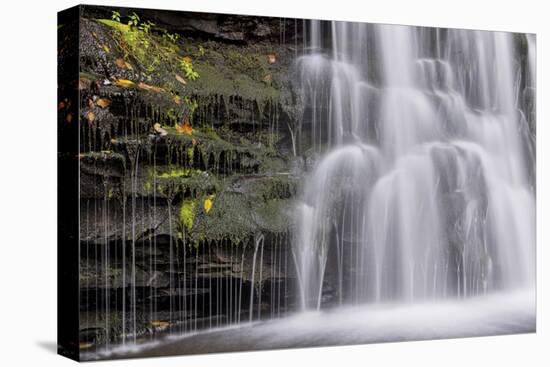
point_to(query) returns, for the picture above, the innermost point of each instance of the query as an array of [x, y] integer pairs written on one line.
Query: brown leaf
[[61, 105], [69, 118], [271, 59], [123, 64], [159, 130], [103, 102], [180, 79], [160, 325], [150, 88], [84, 83]]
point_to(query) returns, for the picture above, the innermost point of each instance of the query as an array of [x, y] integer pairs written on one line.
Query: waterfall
[[421, 188]]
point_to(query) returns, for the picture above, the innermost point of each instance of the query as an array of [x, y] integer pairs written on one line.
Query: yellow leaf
[[124, 83], [106, 48], [186, 128], [180, 79], [103, 102], [208, 204]]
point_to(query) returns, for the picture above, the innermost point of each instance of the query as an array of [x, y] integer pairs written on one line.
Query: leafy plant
[[115, 16], [186, 66], [146, 26], [201, 51], [171, 37], [134, 20]]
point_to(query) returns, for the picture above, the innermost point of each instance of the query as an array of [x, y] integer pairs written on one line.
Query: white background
[[28, 182]]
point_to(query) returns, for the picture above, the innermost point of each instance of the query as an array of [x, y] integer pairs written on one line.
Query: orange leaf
[[188, 60], [186, 128], [90, 116], [61, 105], [103, 102]]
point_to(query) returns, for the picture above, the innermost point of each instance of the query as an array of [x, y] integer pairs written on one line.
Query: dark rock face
[[223, 27], [185, 229]]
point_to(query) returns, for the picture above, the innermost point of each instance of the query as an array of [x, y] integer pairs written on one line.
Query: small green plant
[[145, 27], [187, 67], [134, 20], [115, 16], [201, 51], [171, 37]]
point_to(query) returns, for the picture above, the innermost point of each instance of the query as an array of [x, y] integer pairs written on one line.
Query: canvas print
[[235, 183]]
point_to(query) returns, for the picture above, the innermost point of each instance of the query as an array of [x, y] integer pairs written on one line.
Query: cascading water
[[423, 188], [407, 151]]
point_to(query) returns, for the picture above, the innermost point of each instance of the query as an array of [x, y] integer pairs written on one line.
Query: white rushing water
[[424, 188], [495, 314]]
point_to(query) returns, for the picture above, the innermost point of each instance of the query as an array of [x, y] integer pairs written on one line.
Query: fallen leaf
[[120, 63], [103, 102], [69, 118], [208, 203], [160, 325], [124, 83], [188, 60], [84, 83], [123, 64], [85, 345], [90, 116], [159, 130], [271, 59], [61, 105], [180, 79], [106, 48], [150, 88], [177, 100], [186, 128]]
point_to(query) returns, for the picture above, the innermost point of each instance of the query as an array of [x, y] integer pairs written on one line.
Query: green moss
[[187, 214], [180, 172]]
